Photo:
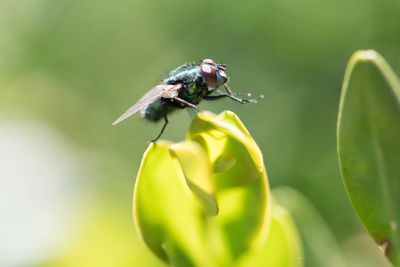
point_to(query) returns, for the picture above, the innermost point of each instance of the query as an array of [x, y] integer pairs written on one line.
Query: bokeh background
[[69, 68]]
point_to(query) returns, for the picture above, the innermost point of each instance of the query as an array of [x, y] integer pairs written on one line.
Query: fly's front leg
[[223, 95], [231, 95], [227, 89]]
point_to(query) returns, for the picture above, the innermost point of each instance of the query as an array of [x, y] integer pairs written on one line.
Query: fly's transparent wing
[[160, 91]]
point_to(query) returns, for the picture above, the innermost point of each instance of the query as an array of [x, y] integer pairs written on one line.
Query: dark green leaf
[[369, 147]]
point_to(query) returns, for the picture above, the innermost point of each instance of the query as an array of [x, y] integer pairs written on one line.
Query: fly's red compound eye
[[222, 77], [209, 62], [213, 74], [209, 73]]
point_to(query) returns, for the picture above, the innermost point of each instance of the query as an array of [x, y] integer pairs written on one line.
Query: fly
[[184, 87]]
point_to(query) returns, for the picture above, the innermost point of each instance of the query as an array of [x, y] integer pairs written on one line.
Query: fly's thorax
[[185, 74], [193, 92]]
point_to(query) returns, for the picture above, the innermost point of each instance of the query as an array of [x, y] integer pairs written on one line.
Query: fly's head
[[214, 74]]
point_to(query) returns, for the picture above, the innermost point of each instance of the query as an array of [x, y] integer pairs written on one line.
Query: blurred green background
[[69, 68]]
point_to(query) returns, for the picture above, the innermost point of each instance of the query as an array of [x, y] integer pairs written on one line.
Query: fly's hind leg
[[162, 129]]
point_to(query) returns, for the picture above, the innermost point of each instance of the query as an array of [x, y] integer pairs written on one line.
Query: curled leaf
[[203, 201]]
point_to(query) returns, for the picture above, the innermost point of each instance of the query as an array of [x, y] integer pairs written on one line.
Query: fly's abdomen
[[154, 111]]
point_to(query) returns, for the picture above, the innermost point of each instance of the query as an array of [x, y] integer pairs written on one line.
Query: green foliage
[[369, 147], [320, 246], [206, 201]]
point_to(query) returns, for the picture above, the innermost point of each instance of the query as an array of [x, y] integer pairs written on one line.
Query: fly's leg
[[192, 112], [227, 89], [231, 96], [162, 129], [193, 108], [234, 97], [216, 97], [185, 103]]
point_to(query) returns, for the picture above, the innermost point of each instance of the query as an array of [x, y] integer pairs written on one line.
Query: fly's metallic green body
[[188, 75], [184, 87]]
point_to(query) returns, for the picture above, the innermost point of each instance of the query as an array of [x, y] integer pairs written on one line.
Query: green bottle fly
[[184, 87]]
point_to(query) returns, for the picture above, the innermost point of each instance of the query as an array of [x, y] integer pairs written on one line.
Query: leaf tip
[[365, 55]]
